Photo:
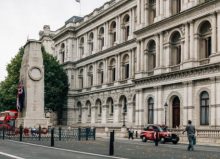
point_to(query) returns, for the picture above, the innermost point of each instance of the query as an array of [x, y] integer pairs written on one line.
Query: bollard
[[39, 133], [52, 137], [136, 134], [60, 133], [79, 134], [3, 135], [94, 133], [111, 145], [20, 132]]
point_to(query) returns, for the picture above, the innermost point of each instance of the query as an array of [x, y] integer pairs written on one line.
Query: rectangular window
[[102, 77]]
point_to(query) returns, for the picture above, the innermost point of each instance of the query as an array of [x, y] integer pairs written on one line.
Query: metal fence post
[[52, 137], [3, 135], [20, 132], [60, 133], [87, 133], [79, 134], [39, 133], [111, 145]]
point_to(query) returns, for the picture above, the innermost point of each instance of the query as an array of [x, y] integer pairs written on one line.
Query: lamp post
[[165, 106]]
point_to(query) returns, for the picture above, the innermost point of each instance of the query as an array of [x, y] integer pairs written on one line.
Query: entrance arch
[[176, 112]]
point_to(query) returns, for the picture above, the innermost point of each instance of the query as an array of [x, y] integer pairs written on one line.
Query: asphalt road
[[131, 149]]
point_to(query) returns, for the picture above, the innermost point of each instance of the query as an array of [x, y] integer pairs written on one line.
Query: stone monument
[[32, 76]]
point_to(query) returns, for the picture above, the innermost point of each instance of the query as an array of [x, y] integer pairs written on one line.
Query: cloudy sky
[[22, 19]]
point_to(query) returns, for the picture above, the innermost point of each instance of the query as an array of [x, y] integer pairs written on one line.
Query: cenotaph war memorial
[[32, 78]]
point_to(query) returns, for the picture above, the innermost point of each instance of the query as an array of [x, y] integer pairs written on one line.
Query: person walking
[[130, 134], [190, 129]]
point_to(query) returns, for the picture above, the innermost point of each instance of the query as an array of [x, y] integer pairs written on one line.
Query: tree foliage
[[56, 83]]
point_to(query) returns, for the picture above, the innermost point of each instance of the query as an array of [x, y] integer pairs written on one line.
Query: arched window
[[81, 47], [125, 67], [113, 33], [126, 21], [204, 108], [91, 43], [90, 76], [152, 11], [80, 79], [123, 102], [150, 111], [110, 106], [99, 106], [112, 70], [175, 41], [205, 40], [79, 106], [151, 52], [101, 38], [101, 73], [62, 52]]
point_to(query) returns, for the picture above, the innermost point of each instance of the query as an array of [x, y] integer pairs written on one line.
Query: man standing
[[190, 129]]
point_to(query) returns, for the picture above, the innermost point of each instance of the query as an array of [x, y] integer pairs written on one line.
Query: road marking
[[79, 152], [12, 156]]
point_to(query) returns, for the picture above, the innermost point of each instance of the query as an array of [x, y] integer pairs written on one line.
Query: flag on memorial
[[78, 1], [20, 97]]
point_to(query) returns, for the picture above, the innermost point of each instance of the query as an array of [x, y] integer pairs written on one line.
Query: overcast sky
[[22, 19]]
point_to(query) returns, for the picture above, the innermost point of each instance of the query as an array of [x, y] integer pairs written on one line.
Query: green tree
[[8, 87], [56, 83]]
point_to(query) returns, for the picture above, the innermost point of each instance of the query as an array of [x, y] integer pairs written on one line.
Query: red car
[[164, 135]]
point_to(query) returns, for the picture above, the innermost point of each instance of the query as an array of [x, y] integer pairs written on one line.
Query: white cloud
[[25, 18]]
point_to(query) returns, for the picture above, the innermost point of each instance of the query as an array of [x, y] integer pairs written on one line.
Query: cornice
[[94, 56], [178, 75], [101, 90]]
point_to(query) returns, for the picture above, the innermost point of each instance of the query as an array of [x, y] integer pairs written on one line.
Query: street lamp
[[165, 106]]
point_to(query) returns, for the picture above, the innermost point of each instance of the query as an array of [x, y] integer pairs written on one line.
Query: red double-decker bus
[[7, 119]]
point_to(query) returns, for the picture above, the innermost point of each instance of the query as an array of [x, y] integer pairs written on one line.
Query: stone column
[[133, 63], [116, 113], [104, 114], [142, 55], [214, 34], [85, 77], [86, 46], [146, 13], [157, 8], [218, 31], [161, 57], [130, 63], [118, 28], [130, 24], [95, 40], [133, 20], [106, 35], [157, 50], [192, 54], [217, 94], [93, 114], [138, 56], [212, 97], [142, 12], [186, 46], [138, 12], [106, 80], [161, 8], [84, 114], [130, 113], [95, 74], [140, 109], [118, 67], [159, 105], [146, 54]]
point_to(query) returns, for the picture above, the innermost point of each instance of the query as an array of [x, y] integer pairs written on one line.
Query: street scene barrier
[[48, 134]]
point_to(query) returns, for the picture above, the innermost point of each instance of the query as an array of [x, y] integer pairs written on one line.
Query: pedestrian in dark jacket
[[190, 129]]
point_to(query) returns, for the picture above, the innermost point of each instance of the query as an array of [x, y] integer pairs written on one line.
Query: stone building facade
[[139, 62]]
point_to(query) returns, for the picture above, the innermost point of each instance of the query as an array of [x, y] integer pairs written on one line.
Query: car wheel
[[144, 139], [162, 140], [175, 142]]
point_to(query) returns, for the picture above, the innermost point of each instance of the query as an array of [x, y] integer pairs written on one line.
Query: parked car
[[164, 135]]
